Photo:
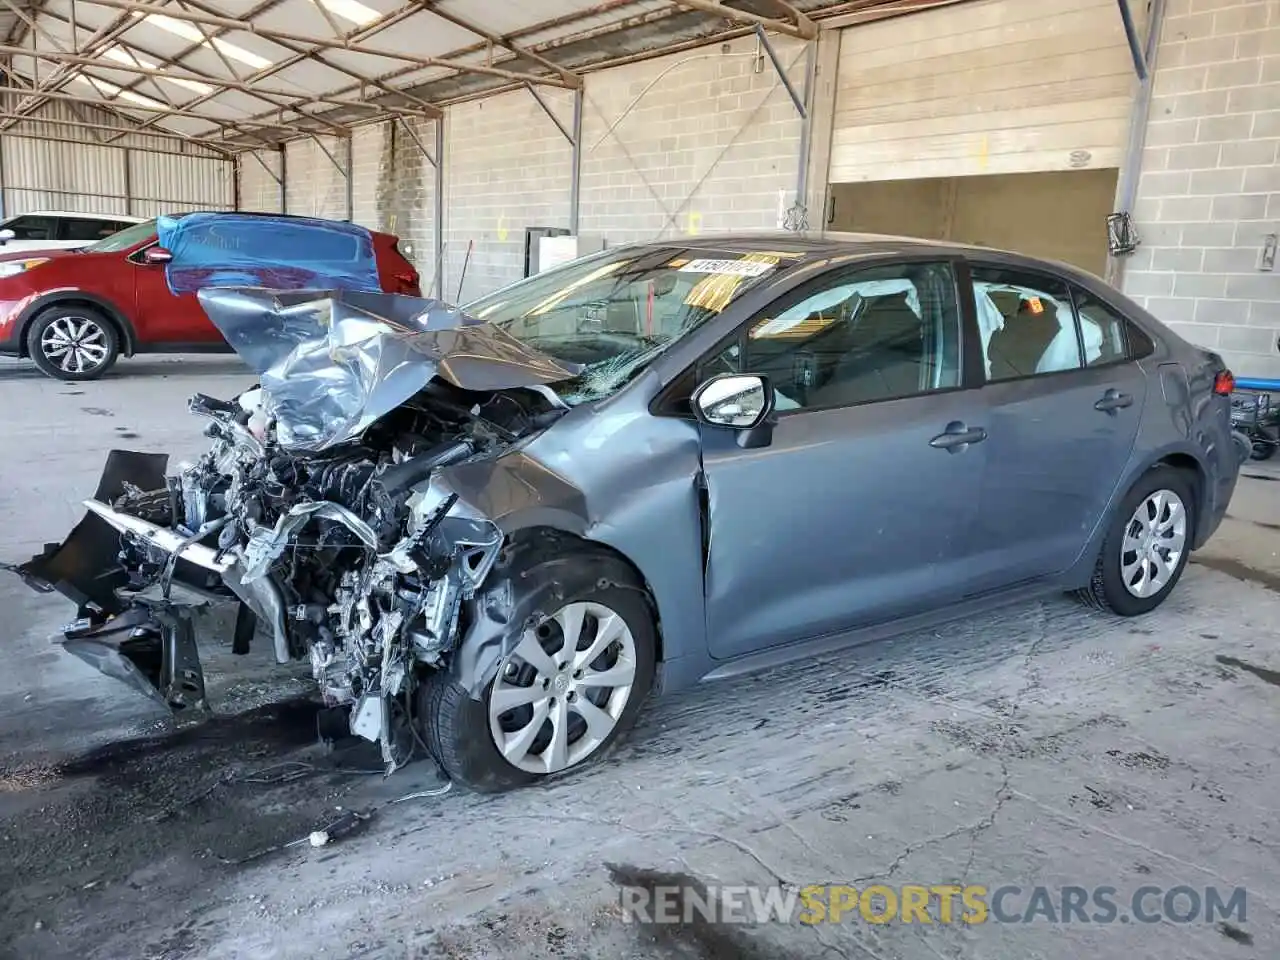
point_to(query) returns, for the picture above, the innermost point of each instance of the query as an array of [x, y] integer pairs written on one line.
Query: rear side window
[[89, 230], [1106, 336], [1026, 323]]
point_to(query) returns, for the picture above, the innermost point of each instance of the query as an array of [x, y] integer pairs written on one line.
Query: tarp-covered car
[[665, 463]]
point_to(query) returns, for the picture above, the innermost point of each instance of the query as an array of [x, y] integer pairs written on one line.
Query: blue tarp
[[282, 253]]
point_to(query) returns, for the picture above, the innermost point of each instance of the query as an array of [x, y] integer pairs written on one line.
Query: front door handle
[[957, 437], [1112, 401]]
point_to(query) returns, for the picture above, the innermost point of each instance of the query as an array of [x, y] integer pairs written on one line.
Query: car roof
[[79, 215], [808, 247], [277, 216]]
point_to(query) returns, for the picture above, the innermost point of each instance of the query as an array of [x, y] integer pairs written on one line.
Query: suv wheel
[[1147, 547], [571, 686], [73, 343]]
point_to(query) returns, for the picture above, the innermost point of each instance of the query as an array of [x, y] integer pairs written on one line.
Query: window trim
[[663, 404], [1032, 272]]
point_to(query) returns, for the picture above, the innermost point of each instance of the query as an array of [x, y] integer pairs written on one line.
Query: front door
[[163, 317], [1063, 404], [859, 509]]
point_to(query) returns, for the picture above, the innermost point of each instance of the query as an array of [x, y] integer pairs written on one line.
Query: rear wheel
[[73, 343], [571, 685], [1147, 547]]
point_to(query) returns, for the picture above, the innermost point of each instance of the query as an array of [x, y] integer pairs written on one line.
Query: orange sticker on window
[[1035, 305]]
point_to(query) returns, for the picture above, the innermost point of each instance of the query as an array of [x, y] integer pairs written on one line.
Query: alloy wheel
[[1154, 541], [75, 344], [560, 693]]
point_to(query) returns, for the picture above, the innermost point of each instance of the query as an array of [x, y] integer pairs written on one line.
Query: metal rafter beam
[[209, 36], [219, 145], [321, 43], [285, 129], [199, 77], [60, 78], [799, 26], [300, 54], [569, 77], [382, 81]]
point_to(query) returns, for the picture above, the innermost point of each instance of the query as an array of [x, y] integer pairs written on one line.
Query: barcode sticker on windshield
[[732, 268]]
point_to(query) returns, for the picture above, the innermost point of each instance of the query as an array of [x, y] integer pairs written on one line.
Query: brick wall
[[1210, 184], [507, 167], [701, 141]]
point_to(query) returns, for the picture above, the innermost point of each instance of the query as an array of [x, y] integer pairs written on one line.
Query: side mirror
[[6, 235], [156, 255], [742, 402]]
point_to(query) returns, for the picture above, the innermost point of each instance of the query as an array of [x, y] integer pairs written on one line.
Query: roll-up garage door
[[987, 87], [1001, 123]]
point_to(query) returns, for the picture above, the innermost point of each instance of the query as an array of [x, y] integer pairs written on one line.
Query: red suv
[[74, 312]]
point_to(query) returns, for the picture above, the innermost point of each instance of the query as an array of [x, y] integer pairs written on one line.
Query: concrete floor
[[1040, 745]]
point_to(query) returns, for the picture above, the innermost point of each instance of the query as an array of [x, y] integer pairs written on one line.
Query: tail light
[[1224, 384]]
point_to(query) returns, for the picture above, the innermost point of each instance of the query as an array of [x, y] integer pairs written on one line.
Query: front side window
[[864, 335], [1026, 323], [615, 312], [124, 239], [32, 228]]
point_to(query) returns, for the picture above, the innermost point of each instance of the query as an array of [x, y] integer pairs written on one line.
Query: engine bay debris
[[322, 507]]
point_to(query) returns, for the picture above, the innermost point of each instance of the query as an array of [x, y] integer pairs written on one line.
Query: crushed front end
[[319, 509]]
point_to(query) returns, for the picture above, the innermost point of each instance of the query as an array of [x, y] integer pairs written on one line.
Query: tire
[[460, 731], [1108, 589], [93, 343], [1262, 450]]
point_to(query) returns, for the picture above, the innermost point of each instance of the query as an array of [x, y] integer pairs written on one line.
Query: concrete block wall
[[259, 190], [695, 142], [507, 167], [1210, 185], [315, 185]]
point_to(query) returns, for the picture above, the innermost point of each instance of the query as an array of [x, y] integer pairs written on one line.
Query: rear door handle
[[957, 437], [1112, 401]]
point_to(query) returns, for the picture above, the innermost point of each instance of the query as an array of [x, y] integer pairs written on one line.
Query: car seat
[[1017, 348], [881, 355]]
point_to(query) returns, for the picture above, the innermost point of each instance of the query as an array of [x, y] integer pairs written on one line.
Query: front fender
[[647, 513]]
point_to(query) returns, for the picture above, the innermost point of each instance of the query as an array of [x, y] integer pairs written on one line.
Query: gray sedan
[[663, 464]]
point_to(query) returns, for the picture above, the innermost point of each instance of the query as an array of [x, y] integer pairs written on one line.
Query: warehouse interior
[[1012, 761]]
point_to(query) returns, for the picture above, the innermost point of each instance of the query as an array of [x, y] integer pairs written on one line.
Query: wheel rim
[[74, 344], [1154, 541], [560, 693]]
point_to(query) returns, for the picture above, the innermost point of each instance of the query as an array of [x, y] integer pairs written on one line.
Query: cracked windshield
[[614, 313]]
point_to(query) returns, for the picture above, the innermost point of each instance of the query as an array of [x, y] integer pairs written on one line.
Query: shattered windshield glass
[[614, 312]]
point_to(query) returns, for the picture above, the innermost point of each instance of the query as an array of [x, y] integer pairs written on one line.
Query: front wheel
[[73, 343], [571, 685], [1146, 549]]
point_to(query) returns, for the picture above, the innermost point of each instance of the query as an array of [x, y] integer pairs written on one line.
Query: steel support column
[[283, 179], [575, 173], [128, 182], [1140, 113], [438, 226]]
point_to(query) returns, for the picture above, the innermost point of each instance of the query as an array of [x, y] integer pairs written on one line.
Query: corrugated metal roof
[[235, 73]]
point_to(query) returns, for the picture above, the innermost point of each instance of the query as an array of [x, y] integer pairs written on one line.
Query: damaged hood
[[333, 362]]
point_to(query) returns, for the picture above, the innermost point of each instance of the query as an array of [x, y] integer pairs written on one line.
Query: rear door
[[1063, 402], [860, 508]]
